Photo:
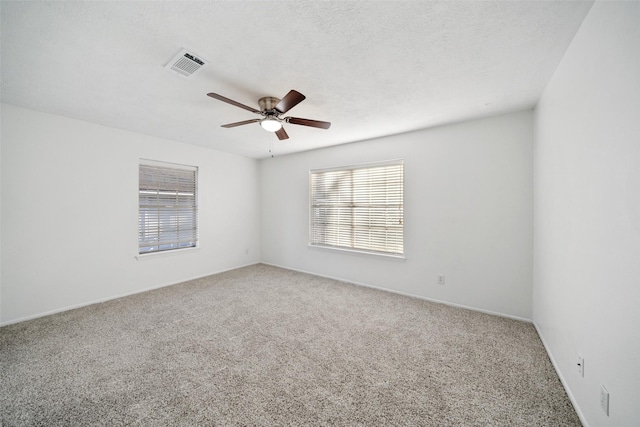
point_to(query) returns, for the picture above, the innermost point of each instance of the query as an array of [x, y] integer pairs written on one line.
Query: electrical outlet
[[580, 365], [440, 279], [604, 400]]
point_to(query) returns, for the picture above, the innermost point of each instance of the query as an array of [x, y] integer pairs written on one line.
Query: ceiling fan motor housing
[[268, 104]]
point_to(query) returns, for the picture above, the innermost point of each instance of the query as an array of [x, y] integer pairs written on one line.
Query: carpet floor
[[265, 346]]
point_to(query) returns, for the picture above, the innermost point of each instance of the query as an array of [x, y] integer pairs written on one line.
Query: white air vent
[[186, 63]]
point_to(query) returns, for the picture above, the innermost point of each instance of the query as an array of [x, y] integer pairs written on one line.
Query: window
[[168, 215], [358, 208]]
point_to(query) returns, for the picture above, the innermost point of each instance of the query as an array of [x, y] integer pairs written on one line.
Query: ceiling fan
[[270, 109]]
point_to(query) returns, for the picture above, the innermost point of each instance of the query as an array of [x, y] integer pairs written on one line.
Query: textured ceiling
[[370, 68]]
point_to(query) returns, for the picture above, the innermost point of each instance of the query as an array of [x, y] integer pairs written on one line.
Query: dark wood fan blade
[[232, 102], [282, 134], [309, 122], [246, 122], [289, 101]]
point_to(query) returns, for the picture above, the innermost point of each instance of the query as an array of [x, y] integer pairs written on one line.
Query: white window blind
[[168, 215], [359, 208]]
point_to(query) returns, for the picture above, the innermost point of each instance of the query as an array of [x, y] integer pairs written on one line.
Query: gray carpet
[[266, 346]]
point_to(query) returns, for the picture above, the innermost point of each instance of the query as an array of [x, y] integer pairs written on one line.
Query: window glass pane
[[167, 215], [358, 208]]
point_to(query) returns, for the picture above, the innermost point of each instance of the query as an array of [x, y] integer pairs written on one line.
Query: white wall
[[468, 214], [587, 214], [70, 206]]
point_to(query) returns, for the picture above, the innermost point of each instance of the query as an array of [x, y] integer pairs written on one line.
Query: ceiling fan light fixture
[[270, 124]]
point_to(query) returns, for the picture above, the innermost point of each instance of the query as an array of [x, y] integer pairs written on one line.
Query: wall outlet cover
[[580, 365]]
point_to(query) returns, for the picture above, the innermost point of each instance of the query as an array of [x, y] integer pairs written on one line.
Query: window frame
[[355, 246], [183, 181]]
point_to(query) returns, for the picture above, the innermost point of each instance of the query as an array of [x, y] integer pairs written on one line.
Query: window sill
[[164, 254], [390, 257]]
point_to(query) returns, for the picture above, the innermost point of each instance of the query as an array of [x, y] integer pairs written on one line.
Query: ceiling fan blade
[[289, 101], [232, 102], [308, 122], [282, 134], [246, 122]]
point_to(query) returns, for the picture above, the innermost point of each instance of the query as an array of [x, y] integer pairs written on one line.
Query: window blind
[[358, 208], [167, 215]]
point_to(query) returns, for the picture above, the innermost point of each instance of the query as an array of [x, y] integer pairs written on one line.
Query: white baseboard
[[452, 304], [573, 400], [101, 300]]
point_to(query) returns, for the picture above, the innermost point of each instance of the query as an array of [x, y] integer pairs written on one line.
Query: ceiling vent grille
[[186, 63]]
